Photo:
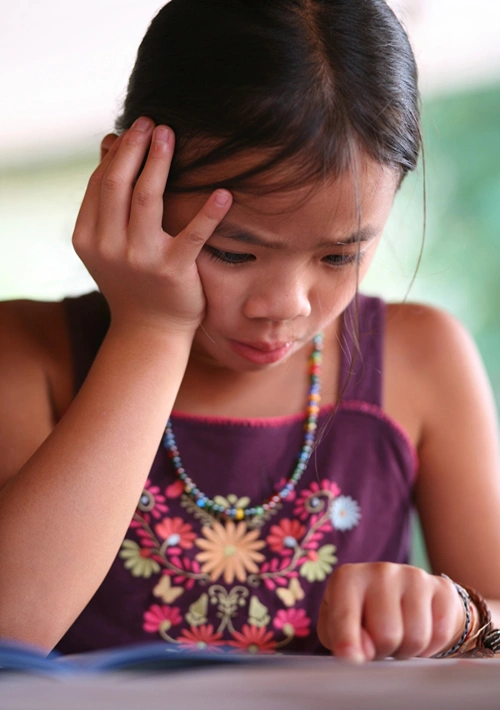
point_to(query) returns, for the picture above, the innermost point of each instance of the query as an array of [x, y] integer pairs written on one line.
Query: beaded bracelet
[[466, 600]]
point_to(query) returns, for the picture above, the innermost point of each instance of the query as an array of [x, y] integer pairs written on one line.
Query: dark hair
[[301, 82]]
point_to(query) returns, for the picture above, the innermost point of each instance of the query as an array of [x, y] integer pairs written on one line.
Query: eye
[[228, 257], [339, 260]]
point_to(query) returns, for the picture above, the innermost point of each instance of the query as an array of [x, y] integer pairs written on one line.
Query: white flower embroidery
[[345, 513]]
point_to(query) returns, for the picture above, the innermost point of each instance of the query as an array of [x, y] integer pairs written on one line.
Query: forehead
[[333, 207]]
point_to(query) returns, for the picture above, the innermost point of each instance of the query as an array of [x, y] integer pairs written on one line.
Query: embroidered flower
[[138, 559], [200, 637], [283, 538], [229, 550], [161, 618], [313, 500], [293, 622], [319, 563], [152, 502], [176, 533], [175, 490], [232, 501], [253, 640], [345, 513]]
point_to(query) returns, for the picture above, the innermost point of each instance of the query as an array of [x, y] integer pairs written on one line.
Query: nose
[[279, 299]]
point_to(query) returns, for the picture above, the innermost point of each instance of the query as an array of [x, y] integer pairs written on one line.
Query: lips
[[266, 347], [262, 353]]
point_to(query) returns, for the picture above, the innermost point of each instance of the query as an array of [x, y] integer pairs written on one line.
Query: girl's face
[[283, 266]]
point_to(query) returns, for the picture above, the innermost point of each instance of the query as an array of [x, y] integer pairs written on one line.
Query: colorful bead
[[310, 426]]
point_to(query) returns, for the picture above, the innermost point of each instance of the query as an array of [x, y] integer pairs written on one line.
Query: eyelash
[[232, 259]]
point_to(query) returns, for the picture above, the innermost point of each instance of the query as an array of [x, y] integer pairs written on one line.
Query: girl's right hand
[[149, 278]]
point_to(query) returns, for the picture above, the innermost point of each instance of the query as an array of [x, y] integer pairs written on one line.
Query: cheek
[[221, 286]]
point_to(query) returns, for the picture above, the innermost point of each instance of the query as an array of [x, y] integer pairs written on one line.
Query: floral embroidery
[[254, 640], [176, 533], [230, 551], [345, 513], [283, 538], [151, 502], [292, 594], [258, 614], [161, 619], [293, 622], [226, 561], [175, 490], [319, 564], [197, 614], [232, 501], [166, 592], [314, 500], [200, 637], [138, 559]]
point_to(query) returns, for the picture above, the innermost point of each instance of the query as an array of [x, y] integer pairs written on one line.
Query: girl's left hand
[[374, 610]]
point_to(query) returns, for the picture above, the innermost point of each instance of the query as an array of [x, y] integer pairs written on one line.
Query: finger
[[146, 213], [88, 215], [382, 614], [120, 175], [186, 246], [341, 615], [448, 618], [416, 607]]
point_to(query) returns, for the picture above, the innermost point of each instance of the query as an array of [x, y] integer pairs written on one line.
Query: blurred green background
[[461, 261]]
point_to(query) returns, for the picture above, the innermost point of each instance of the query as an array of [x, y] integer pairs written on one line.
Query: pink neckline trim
[[348, 405]]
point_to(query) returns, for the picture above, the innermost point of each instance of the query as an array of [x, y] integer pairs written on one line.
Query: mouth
[[262, 353]]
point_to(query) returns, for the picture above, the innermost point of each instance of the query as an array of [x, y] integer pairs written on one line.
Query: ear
[[106, 144]]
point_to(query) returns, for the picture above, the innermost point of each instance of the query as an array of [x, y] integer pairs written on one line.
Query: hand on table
[[374, 610]]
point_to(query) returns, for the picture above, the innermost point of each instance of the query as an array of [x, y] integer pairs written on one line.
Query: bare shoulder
[[424, 333], [431, 361], [35, 377], [36, 332]]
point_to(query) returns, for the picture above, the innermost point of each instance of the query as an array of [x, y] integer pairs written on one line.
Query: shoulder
[[433, 343], [426, 335], [34, 339], [432, 367]]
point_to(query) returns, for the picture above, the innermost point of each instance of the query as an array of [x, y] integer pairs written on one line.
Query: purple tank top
[[189, 579]]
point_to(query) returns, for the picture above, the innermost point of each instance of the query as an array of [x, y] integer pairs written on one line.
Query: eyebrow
[[232, 231]]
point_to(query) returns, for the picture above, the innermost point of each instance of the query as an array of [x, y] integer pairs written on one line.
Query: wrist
[[150, 333]]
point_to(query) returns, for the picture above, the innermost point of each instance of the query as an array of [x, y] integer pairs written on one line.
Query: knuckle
[[343, 572], [419, 576], [111, 184], [142, 197], [79, 237], [197, 235], [95, 180]]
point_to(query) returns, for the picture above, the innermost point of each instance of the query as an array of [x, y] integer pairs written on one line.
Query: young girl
[[228, 226]]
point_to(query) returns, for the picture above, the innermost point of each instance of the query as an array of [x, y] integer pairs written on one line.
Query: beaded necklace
[[232, 513]]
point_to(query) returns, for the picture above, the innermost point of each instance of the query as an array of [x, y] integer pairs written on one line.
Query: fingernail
[[222, 198], [162, 134], [142, 124], [357, 657]]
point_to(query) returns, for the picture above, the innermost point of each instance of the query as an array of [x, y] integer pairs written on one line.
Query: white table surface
[[316, 683]]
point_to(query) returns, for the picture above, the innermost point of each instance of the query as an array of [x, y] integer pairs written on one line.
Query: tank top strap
[[362, 343], [88, 319]]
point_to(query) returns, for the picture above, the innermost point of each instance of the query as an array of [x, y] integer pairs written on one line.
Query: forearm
[[63, 517]]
